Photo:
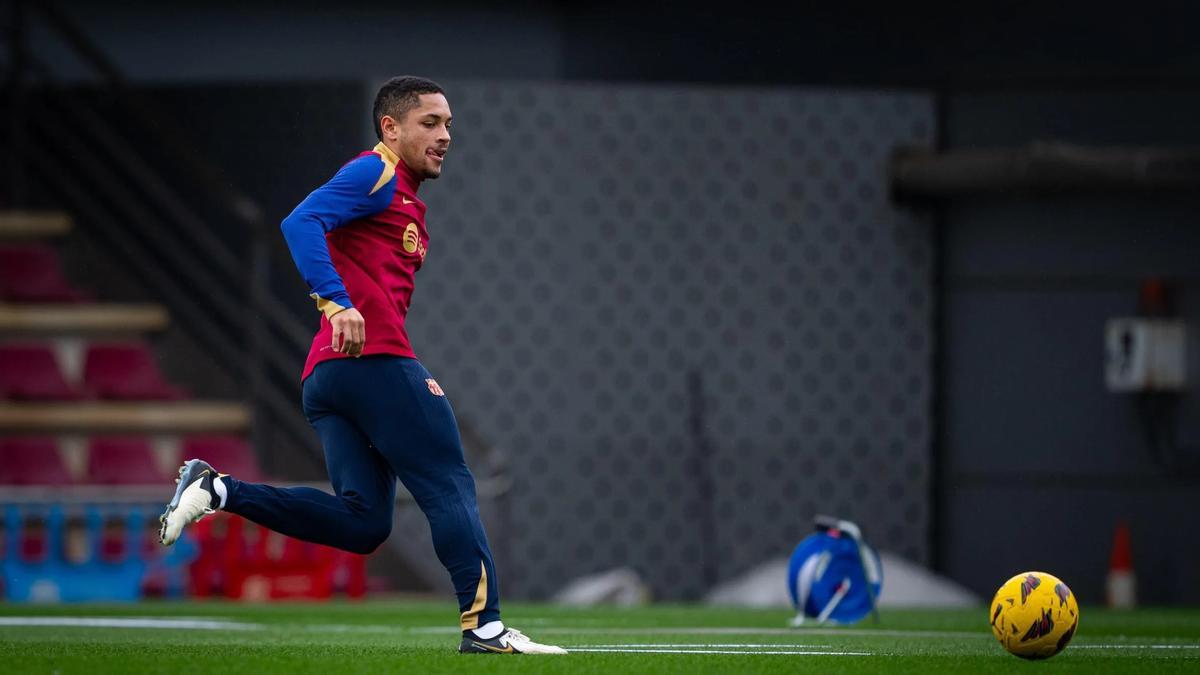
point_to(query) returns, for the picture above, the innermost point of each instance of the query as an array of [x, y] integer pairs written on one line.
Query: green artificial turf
[[418, 637]]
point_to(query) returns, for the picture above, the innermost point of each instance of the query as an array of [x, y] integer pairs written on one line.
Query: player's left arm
[[360, 188]]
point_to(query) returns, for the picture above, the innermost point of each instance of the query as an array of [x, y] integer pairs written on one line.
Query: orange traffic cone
[[1122, 582]]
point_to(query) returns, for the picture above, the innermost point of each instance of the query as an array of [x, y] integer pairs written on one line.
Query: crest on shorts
[[434, 387]]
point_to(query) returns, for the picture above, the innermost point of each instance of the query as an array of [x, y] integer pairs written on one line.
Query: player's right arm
[[362, 187]]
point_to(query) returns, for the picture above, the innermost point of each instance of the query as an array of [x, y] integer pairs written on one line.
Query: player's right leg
[[356, 518]]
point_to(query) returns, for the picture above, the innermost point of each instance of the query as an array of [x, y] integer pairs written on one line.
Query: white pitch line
[[116, 622], [714, 651], [796, 633], [358, 628], [741, 645], [1135, 646], [792, 632]]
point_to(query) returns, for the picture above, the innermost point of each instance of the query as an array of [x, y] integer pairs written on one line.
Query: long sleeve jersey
[[358, 241]]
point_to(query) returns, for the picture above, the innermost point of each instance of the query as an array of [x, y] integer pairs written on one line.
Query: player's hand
[[349, 332]]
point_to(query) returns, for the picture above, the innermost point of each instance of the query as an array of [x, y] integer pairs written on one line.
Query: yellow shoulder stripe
[[389, 165]]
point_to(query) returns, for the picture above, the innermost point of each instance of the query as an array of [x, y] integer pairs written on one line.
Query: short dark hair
[[399, 95]]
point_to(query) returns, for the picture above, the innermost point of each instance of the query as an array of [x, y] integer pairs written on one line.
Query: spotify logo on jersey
[[411, 238]]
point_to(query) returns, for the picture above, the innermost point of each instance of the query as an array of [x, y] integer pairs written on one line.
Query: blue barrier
[[89, 576]]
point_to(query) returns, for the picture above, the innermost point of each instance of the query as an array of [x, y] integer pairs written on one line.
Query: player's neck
[[407, 175]]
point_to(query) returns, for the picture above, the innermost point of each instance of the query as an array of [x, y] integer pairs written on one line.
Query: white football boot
[[194, 498], [509, 641]]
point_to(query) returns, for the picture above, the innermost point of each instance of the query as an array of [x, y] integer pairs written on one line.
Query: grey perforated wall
[[596, 248]]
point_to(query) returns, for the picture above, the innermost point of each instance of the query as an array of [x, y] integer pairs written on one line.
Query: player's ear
[[389, 127]]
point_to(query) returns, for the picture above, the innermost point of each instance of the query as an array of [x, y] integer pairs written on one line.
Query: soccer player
[[358, 240]]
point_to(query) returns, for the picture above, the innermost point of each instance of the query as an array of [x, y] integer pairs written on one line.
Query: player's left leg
[[407, 417]]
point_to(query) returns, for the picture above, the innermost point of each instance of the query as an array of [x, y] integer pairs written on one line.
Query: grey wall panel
[[1068, 530], [1040, 460], [593, 245], [1025, 391], [1111, 241]]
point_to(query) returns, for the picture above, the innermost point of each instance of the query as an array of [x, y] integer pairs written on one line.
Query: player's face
[[425, 135]]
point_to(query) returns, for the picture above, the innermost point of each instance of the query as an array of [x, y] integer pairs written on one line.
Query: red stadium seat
[[126, 371], [30, 372], [32, 461], [227, 454], [33, 273], [34, 546], [115, 460], [114, 541]]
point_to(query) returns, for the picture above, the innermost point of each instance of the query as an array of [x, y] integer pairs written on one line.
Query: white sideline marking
[[1135, 646], [792, 632], [359, 628], [740, 645], [798, 633], [713, 651], [136, 622]]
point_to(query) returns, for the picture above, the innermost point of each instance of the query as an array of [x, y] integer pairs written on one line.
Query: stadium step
[[23, 225], [82, 319], [123, 417]]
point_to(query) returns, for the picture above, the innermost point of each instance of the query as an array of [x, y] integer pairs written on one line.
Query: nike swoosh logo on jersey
[[406, 200]]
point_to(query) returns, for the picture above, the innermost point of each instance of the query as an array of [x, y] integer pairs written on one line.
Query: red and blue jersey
[[358, 241]]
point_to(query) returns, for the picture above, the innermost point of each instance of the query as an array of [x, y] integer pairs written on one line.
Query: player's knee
[[373, 534]]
